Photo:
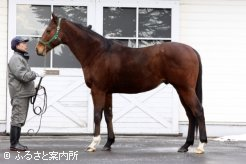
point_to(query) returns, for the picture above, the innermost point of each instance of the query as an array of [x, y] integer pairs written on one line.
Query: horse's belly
[[134, 87]]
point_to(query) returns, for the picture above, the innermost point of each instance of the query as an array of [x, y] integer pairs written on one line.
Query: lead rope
[[38, 110]]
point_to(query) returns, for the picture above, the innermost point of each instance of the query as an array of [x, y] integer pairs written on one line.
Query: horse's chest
[[95, 77], [88, 78]]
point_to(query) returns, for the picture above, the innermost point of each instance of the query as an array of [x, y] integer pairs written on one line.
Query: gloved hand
[[40, 73], [38, 88]]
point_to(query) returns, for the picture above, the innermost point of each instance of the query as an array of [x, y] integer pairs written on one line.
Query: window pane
[[76, 14], [145, 43], [119, 22], [127, 42], [35, 60], [64, 58], [155, 23], [32, 19]]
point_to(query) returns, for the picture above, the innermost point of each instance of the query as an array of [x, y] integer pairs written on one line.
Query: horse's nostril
[[38, 52]]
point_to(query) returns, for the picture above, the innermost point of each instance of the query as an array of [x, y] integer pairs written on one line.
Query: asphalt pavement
[[126, 150]]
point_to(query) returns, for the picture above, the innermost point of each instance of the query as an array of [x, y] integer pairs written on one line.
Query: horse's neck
[[83, 46]]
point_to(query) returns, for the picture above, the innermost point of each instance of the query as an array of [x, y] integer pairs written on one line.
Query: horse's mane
[[107, 42], [87, 29]]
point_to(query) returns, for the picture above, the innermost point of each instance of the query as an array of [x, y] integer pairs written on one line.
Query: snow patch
[[241, 137]]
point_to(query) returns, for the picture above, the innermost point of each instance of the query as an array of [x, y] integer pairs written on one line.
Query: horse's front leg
[[98, 98], [108, 113]]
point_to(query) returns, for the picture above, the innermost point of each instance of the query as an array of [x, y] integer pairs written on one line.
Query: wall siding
[[3, 62], [217, 30]]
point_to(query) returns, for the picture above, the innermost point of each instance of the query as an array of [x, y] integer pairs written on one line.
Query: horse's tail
[[199, 80], [198, 86]]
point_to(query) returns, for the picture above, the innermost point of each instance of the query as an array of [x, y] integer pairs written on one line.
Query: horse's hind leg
[[108, 118], [191, 130], [202, 132], [189, 100]]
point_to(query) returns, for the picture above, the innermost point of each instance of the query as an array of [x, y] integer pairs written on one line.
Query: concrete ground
[[126, 150]]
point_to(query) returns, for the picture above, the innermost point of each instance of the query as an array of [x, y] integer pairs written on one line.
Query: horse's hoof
[[105, 148], [199, 151], [90, 149], [183, 150], [200, 148]]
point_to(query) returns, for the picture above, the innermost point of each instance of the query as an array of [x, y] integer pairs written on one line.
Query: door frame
[[94, 18], [90, 4]]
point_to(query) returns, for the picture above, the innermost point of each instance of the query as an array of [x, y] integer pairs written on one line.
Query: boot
[[14, 139], [19, 134]]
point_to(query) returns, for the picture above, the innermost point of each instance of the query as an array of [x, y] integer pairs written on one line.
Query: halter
[[54, 37]]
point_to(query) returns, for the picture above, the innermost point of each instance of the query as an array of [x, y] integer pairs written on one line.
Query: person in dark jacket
[[21, 89]]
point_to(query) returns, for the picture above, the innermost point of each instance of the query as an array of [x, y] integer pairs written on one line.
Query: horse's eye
[[48, 31]]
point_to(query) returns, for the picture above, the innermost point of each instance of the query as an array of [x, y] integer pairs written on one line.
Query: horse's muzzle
[[40, 49]]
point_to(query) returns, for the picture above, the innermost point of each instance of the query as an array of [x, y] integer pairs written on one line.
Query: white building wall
[[217, 30], [3, 62]]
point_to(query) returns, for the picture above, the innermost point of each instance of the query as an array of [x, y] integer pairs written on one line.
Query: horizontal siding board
[[216, 29], [218, 3], [3, 59]]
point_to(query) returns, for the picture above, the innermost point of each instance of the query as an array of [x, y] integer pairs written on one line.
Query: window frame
[[155, 4], [90, 4]]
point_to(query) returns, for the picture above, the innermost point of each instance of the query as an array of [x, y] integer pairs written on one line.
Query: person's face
[[22, 46]]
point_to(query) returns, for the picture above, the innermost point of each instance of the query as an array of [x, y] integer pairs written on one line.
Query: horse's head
[[51, 37]]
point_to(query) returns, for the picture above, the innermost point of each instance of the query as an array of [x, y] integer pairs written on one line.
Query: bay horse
[[109, 68]]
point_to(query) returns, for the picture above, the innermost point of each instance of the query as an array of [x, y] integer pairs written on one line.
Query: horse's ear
[[54, 17], [89, 27]]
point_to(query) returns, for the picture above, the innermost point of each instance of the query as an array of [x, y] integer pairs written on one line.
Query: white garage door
[[152, 112], [70, 108], [67, 106]]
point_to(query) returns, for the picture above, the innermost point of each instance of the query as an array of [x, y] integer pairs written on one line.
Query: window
[[31, 20], [137, 27]]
